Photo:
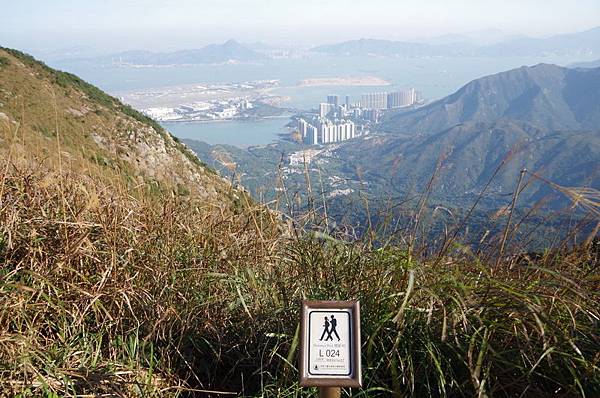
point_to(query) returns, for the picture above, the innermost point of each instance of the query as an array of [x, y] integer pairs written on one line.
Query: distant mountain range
[[590, 64], [581, 43], [492, 43], [387, 48], [211, 54], [577, 44], [478, 37]]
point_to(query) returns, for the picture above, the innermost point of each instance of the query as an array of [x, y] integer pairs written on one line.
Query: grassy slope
[[106, 287], [54, 113]]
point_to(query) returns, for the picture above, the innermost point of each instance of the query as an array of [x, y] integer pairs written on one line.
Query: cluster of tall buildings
[[399, 99], [392, 100], [335, 120], [335, 100], [373, 101], [326, 131]]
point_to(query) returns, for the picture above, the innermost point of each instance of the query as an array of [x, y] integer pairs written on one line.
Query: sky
[[112, 25]]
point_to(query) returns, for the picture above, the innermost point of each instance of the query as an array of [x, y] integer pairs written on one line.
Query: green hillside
[[547, 97], [52, 113]]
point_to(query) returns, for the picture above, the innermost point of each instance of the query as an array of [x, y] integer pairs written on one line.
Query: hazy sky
[[170, 24]]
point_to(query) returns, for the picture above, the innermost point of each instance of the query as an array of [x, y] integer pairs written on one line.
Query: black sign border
[[340, 311]]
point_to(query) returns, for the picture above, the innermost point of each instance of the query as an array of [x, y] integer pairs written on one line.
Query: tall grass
[[98, 283], [123, 292]]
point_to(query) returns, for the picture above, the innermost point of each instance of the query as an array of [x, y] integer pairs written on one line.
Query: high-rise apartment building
[[303, 127], [403, 98], [309, 132], [312, 135], [333, 99], [325, 109], [374, 101]]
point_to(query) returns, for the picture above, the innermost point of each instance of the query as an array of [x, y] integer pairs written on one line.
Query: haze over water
[[436, 77]]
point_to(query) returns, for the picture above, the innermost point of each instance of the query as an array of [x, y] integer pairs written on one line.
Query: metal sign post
[[330, 346], [330, 392]]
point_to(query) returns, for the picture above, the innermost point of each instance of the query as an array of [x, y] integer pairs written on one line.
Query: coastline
[[241, 119]]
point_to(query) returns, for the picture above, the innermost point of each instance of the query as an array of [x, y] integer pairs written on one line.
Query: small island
[[344, 81]]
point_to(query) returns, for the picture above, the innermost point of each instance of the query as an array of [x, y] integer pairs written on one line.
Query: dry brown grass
[[109, 290], [92, 276]]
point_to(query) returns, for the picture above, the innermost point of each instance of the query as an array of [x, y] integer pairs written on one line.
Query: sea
[[435, 77], [241, 133]]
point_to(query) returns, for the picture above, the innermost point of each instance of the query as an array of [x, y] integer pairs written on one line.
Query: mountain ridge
[[547, 96], [93, 130], [543, 118], [229, 51], [376, 47], [579, 43]]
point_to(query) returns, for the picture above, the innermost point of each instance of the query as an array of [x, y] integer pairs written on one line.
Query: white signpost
[[330, 349]]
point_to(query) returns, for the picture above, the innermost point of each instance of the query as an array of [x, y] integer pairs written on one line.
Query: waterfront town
[[338, 121], [207, 102]]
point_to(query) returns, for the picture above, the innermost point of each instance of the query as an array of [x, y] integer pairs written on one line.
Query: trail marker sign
[[330, 344]]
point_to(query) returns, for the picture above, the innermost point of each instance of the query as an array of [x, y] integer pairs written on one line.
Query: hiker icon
[[333, 328], [329, 328], [325, 329]]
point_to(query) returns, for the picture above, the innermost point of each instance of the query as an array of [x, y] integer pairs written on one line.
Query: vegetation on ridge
[[66, 79], [51, 109]]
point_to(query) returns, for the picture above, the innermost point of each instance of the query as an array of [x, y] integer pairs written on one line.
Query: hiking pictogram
[[329, 328], [326, 331]]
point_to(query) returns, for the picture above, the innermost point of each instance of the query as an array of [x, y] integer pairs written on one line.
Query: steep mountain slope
[[231, 50], [56, 117], [545, 96], [544, 118], [114, 237]]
